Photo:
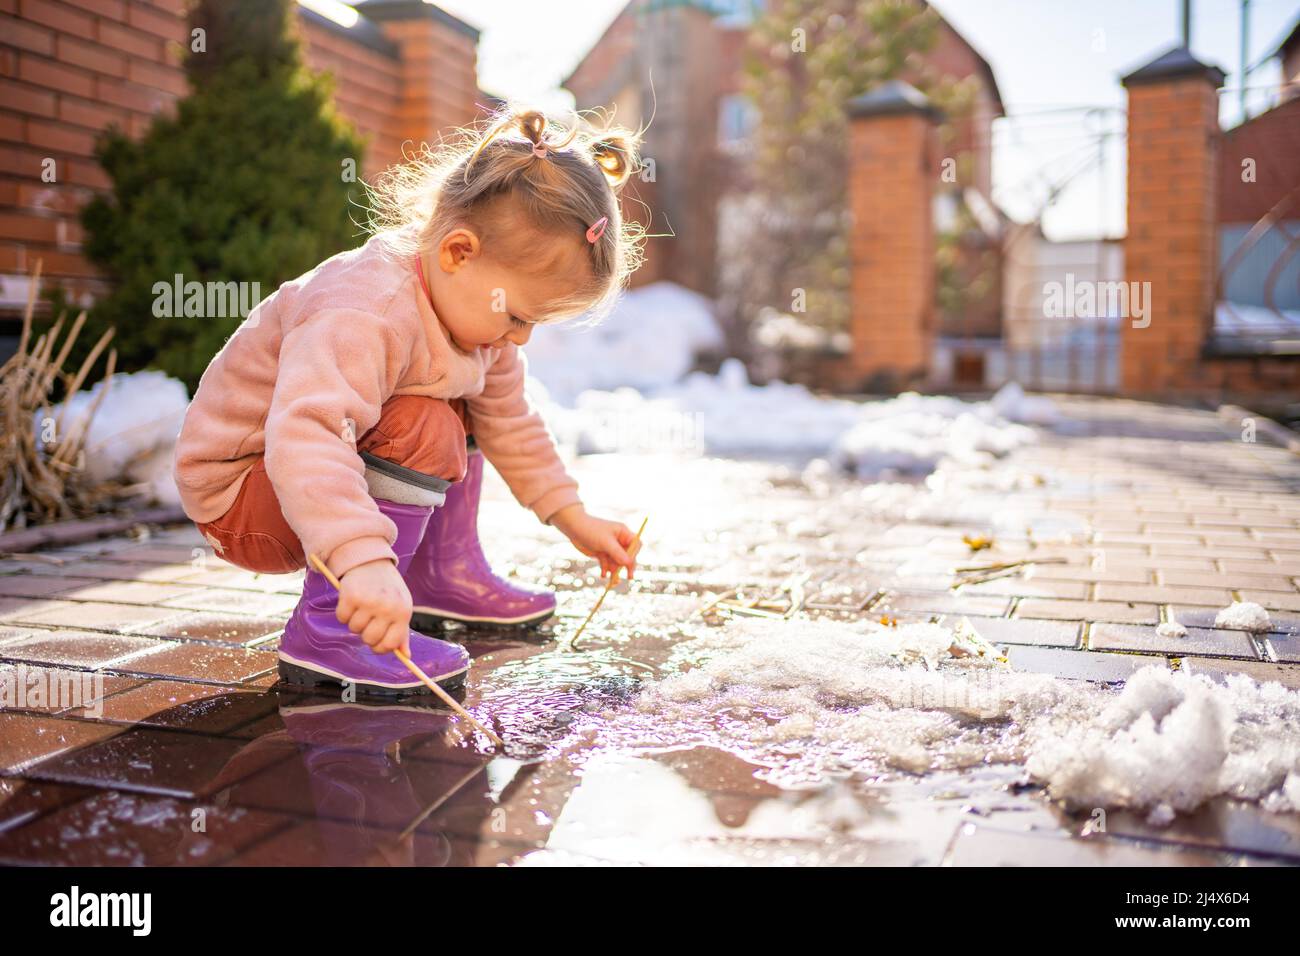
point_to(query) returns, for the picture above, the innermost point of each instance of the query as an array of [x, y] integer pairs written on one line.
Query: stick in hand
[[413, 667], [632, 550]]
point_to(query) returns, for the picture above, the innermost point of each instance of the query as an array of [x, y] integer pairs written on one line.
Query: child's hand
[[375, 603], [606, 541]]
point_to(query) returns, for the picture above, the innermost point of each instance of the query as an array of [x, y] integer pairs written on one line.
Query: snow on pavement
[[815, 699], [626, 385]]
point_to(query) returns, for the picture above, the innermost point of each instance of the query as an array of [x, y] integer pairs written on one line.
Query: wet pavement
[[161, 736]]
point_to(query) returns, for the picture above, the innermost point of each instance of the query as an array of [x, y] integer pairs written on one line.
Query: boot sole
[[299, 675], [428, 617]]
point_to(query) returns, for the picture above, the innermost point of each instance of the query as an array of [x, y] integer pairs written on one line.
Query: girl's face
[[481, 303]]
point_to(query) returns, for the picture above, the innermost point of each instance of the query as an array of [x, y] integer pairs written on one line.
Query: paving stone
[[1273, 600], [95, 615], [235, 601], [324, 843], [126, 571], [1199, 640], [75, 649], [215, 628], [1162, 594], [1285, 647], [1088, 611], [181, 705], [1080, 665], [976, 845], [1130, 574], [1016, 631], [1280, 622], [944, 602], [22, 801], [26, 739], [148, 760], [127, 829], [1288, 675], [124, 592], [1022, 587], [1232, 580], [53, 690], [202, 663], [39, 585], [1219, 824]]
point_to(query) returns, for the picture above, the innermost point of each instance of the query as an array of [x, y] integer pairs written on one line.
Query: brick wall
[[892, 140], [70, 68], [1174, 145], [1272, 140]]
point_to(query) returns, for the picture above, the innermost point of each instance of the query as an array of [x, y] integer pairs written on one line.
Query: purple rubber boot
[[451, 580], [316, 648]]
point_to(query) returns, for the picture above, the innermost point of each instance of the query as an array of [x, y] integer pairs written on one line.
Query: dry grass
[[40, 480]]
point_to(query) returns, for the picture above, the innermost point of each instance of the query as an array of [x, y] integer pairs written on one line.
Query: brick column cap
[[381, 10], [1174, 63], [891, 99]]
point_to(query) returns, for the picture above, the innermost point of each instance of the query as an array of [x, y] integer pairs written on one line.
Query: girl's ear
[[457, 247]]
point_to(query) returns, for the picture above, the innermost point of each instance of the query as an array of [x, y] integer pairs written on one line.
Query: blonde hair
[[490, 178]]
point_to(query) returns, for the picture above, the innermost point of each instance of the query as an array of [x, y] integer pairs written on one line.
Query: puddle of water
[[634, 809]]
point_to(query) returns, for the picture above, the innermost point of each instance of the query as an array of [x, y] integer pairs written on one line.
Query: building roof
[[894, 97], [380, 10], [1175, 62], [717, 7], [363, 31], [1292, 39]]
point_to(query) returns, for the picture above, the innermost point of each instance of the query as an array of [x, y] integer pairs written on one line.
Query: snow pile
[[134, 430], [648, 341], [974, 498], [724, 414], [1171, 629], [625, 385], [815, 698], [1014, 405], [912, 433], [1244, 616], [1171, 741]]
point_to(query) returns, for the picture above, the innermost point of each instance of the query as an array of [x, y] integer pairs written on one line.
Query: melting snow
[[133, 432], [1243, 616], [607, 387], [724, 414], [811, 699]]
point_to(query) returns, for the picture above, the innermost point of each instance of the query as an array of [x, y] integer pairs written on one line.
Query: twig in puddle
[[733, 601], [415, 668], [1010, 564], [613, 580], [993, 572]]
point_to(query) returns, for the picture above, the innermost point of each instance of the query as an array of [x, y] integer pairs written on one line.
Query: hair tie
[[597, 229], [539, 150]]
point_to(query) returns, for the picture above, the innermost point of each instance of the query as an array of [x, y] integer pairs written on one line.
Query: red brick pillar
[[1173, 145], [439, 56], [891, 173]]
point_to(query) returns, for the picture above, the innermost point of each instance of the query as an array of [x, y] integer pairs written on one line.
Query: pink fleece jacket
[[306, 374]]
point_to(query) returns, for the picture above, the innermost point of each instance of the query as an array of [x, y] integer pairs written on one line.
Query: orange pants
[[425, 434]]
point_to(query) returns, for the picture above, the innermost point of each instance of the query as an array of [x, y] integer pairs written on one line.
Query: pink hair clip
[[597, 229], [540, 150]]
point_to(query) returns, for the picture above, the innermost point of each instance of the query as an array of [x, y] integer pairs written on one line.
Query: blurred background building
[[948, 290]]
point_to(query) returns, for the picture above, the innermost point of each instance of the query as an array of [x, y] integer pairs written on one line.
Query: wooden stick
[[413, 667], [633, 548]]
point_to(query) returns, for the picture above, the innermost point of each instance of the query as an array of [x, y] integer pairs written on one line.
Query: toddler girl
[[345, 415]]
